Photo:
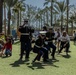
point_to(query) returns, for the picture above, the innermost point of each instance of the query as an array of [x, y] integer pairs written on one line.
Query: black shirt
[[50, 36], [26, 33]]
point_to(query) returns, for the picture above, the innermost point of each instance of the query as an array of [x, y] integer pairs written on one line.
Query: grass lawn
[[64, 65]]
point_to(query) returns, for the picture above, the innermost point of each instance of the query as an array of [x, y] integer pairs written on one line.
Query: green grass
[[62, 66]]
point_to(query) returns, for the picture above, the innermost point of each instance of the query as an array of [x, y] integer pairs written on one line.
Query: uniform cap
[[25, 20]]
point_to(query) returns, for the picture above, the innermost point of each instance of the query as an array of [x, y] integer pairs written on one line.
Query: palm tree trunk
[[39, 25], [67, 1], [44, 17], [51, 13], [17, 19], [72, 27], [47, 16], [55, 19], [41, 22], [1, 15], [4, 18], [61, 22], [9, 18], [20, 17]]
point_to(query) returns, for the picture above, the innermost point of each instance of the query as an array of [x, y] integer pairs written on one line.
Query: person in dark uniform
[[40, 49], [44, 28], [49, 38], [25, 39]]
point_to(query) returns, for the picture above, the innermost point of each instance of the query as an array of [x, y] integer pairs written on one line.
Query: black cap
[[51, 28], [25, 20]]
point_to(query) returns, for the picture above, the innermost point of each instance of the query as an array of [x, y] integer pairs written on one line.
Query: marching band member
[[25, 38], [39, 48], [49, 38]]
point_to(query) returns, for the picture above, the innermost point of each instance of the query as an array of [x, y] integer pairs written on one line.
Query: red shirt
[[8, 46]]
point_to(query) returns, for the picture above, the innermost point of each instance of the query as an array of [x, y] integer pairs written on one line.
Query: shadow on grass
[[52, 61], [66, 56], [19, 62], [39, 65]]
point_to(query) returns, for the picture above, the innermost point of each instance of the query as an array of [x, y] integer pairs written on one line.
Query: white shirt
[[74, 34], [64, 39], [56, 34]]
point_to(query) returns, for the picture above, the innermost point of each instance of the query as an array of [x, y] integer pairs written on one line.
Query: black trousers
[[25, 46], [62, 46], [40, 52], [51, 45], [74, 40]]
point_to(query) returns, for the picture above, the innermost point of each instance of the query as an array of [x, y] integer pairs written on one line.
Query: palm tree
[[18, 8], [60, 8], [4, 16], [72, 14], [1, 15], [46, 10], [21, 7], [67, 2], [10, 4], [15, 9], [52, 2], [55, 17], [72, 18], [38, 19]]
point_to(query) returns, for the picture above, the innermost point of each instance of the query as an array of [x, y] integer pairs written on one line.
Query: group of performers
[[47, 39]]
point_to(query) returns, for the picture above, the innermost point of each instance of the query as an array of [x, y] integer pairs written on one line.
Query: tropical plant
[[52, 3], [10, 4], [67, 2], [1, 15], [18, 8], [60, 8]]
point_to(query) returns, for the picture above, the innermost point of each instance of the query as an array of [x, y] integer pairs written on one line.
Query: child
[[8, 47]]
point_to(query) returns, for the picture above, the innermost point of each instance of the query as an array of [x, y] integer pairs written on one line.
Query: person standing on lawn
[[25, 39]]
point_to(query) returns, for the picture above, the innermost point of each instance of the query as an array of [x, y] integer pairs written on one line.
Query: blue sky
[[39, 3]]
